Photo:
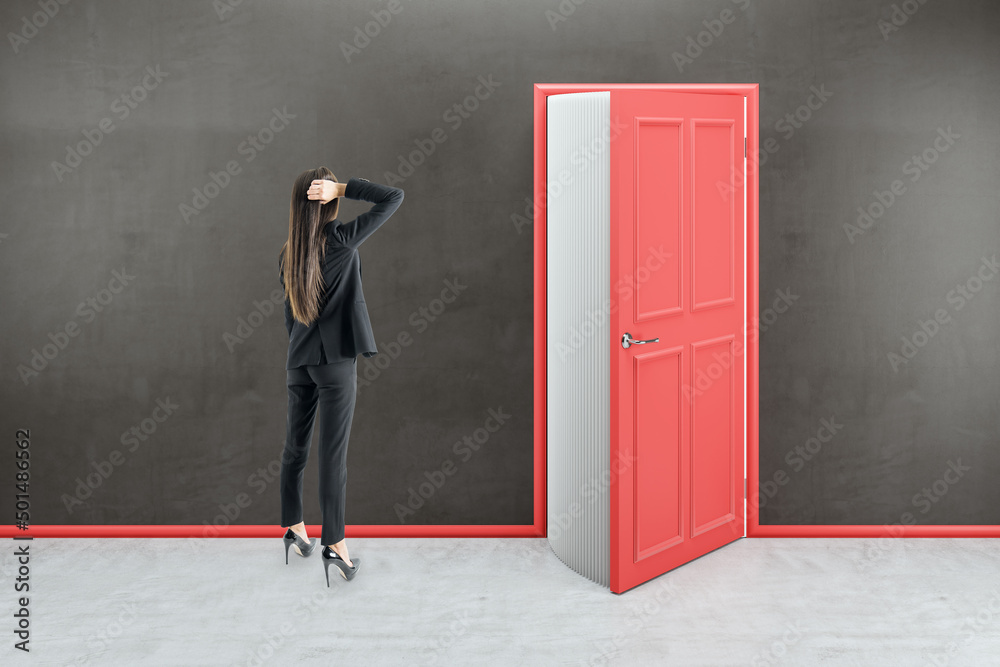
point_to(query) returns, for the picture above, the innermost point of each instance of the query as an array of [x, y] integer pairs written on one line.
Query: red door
[[677, 274]]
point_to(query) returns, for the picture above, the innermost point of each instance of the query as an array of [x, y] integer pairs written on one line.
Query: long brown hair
[[301, 257]]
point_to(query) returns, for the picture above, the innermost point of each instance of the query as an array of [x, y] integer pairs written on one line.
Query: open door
[[677, 350], [645, 296]]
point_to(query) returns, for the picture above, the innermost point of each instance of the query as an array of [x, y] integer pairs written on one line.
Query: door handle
[[627, 340]]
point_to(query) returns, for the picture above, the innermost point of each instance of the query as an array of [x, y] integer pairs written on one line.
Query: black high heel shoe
[[346, 571], [302, 547]]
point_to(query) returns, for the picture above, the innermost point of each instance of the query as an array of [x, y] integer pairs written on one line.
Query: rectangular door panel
[[713, 428], [677, 239], [659, 484], [713, 217], [658, 258]]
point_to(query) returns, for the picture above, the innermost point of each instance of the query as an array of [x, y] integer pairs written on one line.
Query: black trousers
[[332, 388]]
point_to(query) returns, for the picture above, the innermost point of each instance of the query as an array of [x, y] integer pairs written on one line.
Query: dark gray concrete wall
[[161, 305]]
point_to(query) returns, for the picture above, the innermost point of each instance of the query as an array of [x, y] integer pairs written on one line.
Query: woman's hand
[[324, 190]]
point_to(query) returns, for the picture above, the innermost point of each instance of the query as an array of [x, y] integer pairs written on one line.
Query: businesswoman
[[328, 326]]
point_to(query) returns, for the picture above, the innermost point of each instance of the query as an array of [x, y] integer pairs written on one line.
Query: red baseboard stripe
[[873, 531], [375, 530]]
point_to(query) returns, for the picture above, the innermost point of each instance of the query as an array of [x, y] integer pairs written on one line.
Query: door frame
[[541, 92]]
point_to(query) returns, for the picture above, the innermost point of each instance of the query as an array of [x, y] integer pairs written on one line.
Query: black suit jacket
[[343, 328]]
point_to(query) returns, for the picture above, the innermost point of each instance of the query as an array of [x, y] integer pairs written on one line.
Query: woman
[[328, 326]]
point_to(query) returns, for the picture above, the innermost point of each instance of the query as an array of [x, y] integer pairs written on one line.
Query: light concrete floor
[[483, 601]]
